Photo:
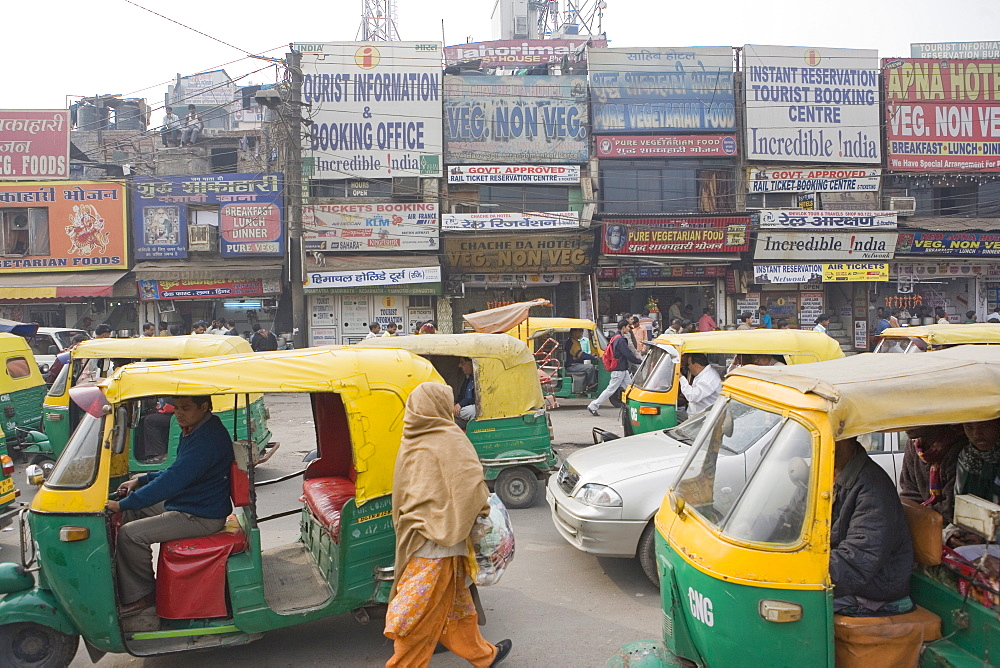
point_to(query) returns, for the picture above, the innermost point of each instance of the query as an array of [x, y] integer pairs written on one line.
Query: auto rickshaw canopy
[[869, 393], [505, 373], [798, 346], [947, 335], [373, 384], [189, 346], [12, 345]]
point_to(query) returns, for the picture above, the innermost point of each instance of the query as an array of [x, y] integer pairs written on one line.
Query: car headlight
[[599, 495]]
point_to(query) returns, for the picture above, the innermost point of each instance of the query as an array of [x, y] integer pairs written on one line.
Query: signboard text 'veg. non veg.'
[[521, 253]]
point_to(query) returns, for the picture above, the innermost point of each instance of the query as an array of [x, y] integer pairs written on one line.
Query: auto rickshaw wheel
[[29, 645], [647, 554], [45, 462], [517, 487]]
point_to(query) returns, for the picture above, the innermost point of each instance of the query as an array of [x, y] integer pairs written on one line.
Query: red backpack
[[608, 358]]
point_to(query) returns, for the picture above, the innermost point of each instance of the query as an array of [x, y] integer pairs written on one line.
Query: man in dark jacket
[[263, 339], [871, 555], [620, 378], [188, 499]]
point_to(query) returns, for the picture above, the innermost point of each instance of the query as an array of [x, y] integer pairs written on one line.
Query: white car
[[49, 342], [604, 497]]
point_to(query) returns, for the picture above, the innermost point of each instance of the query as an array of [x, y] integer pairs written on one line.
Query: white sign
[[825, 246], [375, 107], [417, 317], [355, 314], [324, 312], [810, 306], [812, 180], [787, 273], [808, 104], [660, 59], [348, 279], [324, 336], [794, 219], [750, 304], [861, 334], [514, 174], [956, 50], [472, 222], [370, 227]]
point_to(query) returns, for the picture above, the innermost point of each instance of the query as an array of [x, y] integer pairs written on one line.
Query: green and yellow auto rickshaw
[[511, 430], [743, 555], [651, 400], [223, 589], [22, 389], [95, 359], [936, 337]]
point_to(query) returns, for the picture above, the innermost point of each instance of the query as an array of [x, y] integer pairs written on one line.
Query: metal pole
[[293, 186]]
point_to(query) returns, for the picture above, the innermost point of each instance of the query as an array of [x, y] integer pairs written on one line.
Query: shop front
[[346, 294], [647, 263], [485, 270], [64, 254]]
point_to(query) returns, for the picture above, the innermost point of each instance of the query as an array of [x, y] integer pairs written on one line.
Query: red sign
[[34, 144], [942, 115], [670, 146], [195, 289], [666, 236], [520, 52]]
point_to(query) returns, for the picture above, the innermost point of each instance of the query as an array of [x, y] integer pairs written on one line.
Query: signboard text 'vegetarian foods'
[[63, 226], [942, 115], [370, 227], [375, 107], [666, 146], [812, 105], [532, 120], [665, 236], [34, 144]]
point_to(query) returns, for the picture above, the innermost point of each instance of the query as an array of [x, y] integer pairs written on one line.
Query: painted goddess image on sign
[[161, 225], [86, 231]]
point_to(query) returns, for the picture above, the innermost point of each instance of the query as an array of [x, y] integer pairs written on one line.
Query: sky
[[58, 48]]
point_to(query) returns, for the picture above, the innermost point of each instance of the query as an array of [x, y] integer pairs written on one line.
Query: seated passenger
[[465, 401], [154, 433], [929, 460], [188, 499], [871, 555], [576, 357], [978, 469]]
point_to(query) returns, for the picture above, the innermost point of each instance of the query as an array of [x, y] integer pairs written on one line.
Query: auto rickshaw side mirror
[[136, 414], [119, 432]]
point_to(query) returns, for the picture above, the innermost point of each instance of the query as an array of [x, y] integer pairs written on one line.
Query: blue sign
[[662, 101], [248, 207]]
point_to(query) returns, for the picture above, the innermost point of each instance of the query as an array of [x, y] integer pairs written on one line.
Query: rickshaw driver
[[871, 555], [188, 499]]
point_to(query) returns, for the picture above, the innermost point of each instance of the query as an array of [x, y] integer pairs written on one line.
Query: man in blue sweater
[[620, 378], [186, 500]]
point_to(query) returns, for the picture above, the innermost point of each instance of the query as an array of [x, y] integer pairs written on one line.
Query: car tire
[[646, 554], [27, 644], [616, 400], [517, 487]]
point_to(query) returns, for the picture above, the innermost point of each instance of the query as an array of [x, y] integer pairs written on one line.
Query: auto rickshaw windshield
[[77, 466], [656, 373], [766, 506]]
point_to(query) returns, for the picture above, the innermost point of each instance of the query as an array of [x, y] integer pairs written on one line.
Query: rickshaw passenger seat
[[191, 572], [325, 498], [863, 642]]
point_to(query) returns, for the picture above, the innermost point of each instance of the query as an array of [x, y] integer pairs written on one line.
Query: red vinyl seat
[[325, 498], [191, 572]]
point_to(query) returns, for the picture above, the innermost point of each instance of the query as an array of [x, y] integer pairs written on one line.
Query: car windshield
[[77, 466], [656, 373], [66, 338], [712, 479], [889, 345]]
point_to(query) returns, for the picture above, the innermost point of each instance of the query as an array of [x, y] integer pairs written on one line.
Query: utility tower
[[567, 18], [378, 21]]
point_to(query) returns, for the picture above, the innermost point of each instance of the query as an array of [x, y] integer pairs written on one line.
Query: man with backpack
[[616, 359], [263, 339]]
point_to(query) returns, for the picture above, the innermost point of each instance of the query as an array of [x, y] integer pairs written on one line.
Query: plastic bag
[[492, 543]]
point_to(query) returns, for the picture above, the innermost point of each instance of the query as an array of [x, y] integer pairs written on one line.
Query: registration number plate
[[6, 486]]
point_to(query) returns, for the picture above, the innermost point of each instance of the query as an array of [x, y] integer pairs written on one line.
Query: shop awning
[[59, 285], [199, 270]]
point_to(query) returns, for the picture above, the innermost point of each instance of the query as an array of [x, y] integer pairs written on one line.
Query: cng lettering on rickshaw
[[633, 414], [701, 607], [4, 397]]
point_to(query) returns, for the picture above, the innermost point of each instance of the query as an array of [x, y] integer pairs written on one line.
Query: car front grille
[[567, 478]]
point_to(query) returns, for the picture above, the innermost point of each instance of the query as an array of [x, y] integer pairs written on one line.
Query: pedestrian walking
[[438, 492], [263, 339], [616, 362]]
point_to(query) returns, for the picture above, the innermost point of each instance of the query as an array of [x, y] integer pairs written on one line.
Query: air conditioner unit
[[203, 238], [454, 288], [904, 206], [269, 303]]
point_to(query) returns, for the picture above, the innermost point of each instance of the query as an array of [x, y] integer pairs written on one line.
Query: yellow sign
[[388, 302], [367, 57], [855, 272]]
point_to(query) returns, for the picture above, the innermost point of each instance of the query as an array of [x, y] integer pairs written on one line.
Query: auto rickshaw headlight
[[6, 465], [71, 534], [599, 495]]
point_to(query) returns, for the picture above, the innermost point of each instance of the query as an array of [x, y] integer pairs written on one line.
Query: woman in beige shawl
[[438, 491]]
